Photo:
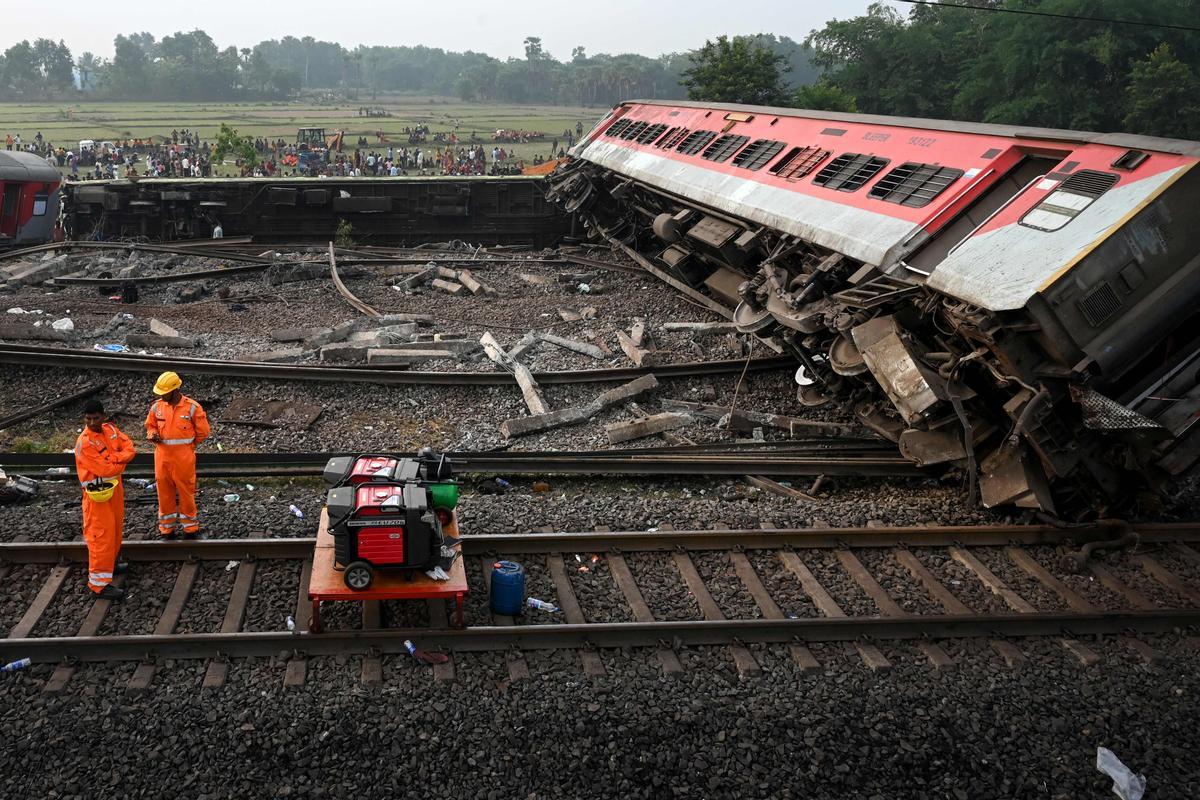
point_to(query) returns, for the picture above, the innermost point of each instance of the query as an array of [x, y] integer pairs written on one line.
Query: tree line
[[1077, 64], [1064, 71], [191, 66]]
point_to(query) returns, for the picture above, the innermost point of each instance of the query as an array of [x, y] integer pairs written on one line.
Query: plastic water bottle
[[297, 513], [541, 605], [503, 484], [291, 623], [58, 471], [15, 666], [410, 647], [232, 498]]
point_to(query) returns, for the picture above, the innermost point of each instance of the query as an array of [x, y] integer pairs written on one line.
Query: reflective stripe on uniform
[[178, 441]]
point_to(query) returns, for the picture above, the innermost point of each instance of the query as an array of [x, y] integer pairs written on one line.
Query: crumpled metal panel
[[879, 342], [1102, 413]]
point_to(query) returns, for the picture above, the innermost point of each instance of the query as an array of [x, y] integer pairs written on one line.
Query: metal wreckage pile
[[953, 385]]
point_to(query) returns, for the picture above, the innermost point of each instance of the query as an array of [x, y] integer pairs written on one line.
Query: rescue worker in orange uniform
[[176, 424], [101, 453]]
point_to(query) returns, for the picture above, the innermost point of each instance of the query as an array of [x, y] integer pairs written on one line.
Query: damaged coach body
[[1019, 303]]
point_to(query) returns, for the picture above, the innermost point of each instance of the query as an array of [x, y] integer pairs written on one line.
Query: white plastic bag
[[1127, 784]]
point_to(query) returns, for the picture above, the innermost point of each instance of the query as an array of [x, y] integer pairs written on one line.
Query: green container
[[445, 495]]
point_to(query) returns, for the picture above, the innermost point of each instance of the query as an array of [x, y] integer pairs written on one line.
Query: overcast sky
[[650, 27]]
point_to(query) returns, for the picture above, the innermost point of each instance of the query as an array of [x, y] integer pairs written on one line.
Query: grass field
[[67, 124]]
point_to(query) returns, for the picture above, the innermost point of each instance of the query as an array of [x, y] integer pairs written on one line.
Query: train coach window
[[650, 134], [914, 184], [723, 148], [798, 162], [39, 204], [635, 130], [694, 142], [1067, 201], [849, 171], [757, 154], [618, 127], [673, 138]]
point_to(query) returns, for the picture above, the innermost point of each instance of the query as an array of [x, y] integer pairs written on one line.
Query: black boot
[[111, 592], [120, 568]]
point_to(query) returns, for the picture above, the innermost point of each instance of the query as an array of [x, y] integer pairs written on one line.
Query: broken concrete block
[[190, 294], [637, 355], [467, 279], [656, 423], [345, 351], [699, 328], [294, 334], [160, 328], [626, 391], [573, 345], [151, 341], [402, 355], [444, 272], [458, 346], [527, 343], [282, 356], [365, 336], [638, 333], [574, 313], [522, 426], [448, 287], [413, 281], [338, 333], [402, 319]]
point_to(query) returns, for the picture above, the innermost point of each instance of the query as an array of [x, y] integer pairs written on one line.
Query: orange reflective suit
[[182, 426], [102, 455]]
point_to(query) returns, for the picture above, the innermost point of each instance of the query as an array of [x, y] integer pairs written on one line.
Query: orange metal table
[[326, 582]]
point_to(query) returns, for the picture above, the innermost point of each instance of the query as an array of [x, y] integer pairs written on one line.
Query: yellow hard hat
[[167, 383], [105, 491]]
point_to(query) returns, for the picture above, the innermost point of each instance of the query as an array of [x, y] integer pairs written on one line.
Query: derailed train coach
[[1020, 303], [29, 199]]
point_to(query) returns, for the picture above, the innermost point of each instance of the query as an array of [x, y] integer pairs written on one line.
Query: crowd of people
[[184, 154]]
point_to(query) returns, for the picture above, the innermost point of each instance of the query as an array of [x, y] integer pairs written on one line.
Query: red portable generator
[[384, 526], [428, 466]]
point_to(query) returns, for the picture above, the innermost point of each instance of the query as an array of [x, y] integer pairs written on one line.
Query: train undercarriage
[[995, 395]]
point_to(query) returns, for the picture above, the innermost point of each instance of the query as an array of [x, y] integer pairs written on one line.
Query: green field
[[66, 124]]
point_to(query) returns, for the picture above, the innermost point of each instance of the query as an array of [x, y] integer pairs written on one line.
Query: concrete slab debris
[[448, 287], [402, 355], [160, 328], [655, 423], [574, 345], [284, 355], [639, 356], [522, 426]]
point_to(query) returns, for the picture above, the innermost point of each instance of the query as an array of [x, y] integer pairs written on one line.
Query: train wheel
[[358, 576]]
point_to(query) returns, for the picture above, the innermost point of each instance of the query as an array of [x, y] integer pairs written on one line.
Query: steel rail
[[140, 550], [50, 650], [33, 355]]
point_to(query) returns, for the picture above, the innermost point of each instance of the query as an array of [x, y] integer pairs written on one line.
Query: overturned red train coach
[[1019, 303], [29, 199]]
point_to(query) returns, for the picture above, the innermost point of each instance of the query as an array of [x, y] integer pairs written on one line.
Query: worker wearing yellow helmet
[[176, 424], [101, 453]]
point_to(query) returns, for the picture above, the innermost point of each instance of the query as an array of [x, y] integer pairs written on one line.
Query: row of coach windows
[[911, 184]]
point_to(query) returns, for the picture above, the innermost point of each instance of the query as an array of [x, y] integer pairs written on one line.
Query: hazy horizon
[[626, 27]]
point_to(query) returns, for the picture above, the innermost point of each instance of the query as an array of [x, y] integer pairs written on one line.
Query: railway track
[[36, 355], [797, 587], [857, 457]]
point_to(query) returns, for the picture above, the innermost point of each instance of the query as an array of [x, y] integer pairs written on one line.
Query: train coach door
[[1015, 181], [10, 205]]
